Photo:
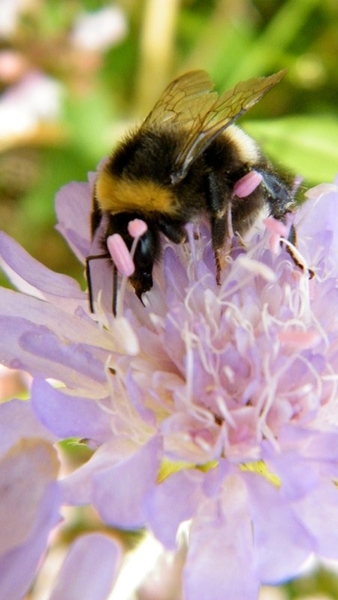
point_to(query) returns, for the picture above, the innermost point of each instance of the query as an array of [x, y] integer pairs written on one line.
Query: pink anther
[[277, 230], [275, 226], [137, 227], [120, 255], [302, 339], [247, 184]]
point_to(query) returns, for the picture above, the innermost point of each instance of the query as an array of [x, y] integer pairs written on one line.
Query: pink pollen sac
[[120, 255], [247, 184], [300, 339], [275, 226], [137, 227], [274, 243]]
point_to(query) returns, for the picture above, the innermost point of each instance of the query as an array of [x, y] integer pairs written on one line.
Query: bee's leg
[[95, 217], [292, 238], [218, 216], [173, 229], [218, 237], [219, 265], [114, 290], [278, 195], [280, 199], [89, 278]]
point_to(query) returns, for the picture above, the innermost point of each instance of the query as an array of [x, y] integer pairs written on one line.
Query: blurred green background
[[75, 73]]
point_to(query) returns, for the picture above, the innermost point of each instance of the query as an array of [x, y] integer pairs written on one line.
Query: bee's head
[[146, 252]]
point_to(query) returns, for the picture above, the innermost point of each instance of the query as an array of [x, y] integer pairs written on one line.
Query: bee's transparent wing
[[184, 101], [220, 113]]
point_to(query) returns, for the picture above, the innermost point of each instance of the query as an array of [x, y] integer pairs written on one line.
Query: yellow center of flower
[[168, 468], [260, 468]]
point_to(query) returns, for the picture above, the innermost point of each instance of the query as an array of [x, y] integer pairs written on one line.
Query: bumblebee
[[183, 163]]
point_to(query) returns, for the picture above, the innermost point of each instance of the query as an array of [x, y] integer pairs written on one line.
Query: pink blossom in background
[[34, 99], [99, 30], [13, 383]]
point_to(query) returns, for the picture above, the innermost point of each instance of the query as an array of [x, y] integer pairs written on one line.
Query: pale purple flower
[[89, 569], [30, 515], [30, 496], [213, 407]]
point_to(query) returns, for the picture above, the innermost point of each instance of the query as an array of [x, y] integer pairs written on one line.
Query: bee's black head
[[146, 252]]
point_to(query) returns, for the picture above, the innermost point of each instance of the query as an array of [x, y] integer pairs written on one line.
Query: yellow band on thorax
[[117, 194]]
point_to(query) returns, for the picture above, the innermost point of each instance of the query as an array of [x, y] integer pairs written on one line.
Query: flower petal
[[17, 421], [73, 206], [34, 511], [171, 502], [220, 548], [68, 416], [281, 541], [27, 454], [120, 491], [31, 277], [48, 342], [318, 512], [89, 569]]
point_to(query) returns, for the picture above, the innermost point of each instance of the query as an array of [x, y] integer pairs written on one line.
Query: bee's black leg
[[292, 238], [89, 279], [280, 198], [115, 290], [174, 230], [218, 216], [278, 195], [95, 217]]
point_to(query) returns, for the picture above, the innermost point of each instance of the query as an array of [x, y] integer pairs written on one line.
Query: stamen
[[300, 339], [257, 267], [275, 226], [247, 184], [278, 230], [120, 254], [137, 227]]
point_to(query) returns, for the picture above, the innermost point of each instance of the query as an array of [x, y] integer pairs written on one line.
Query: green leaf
[[308, 146]]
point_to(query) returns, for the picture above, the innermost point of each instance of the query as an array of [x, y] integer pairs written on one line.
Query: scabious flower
[[30, 506], [208, 408], [30, 515]]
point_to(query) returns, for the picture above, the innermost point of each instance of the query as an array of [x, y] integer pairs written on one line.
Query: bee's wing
[[184, 101], [218, 115]]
